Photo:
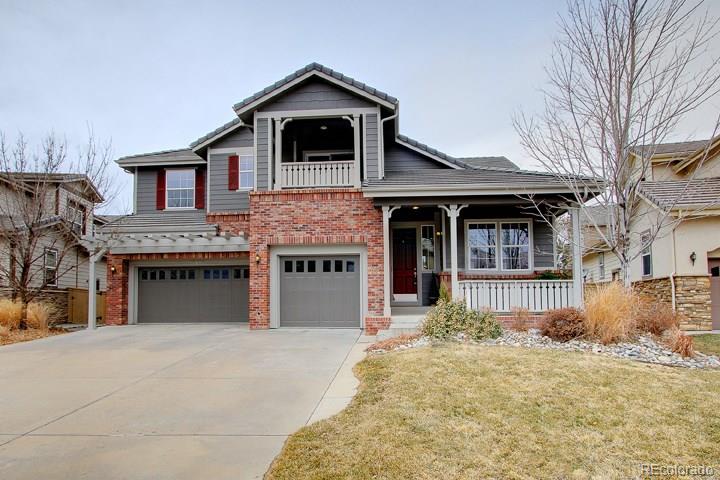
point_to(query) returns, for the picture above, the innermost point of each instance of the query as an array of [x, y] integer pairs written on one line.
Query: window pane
[[161, 275], [153, 275], [144, 275], [327, 266], [206, 274], [515, 258], [428, 247], [183, 274], [191, 274], [216, 274], [647, 264], [515, 234], [173, 274], [349, 266], [225, 273], [483, 257], [299, 266], [338, 265], [180, 178], [246, 163], [288, 266], [50, 258], [237, 273], [246, 179], [311, 266]]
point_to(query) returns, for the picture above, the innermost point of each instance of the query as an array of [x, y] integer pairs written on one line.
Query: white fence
[[505, 295], [317, 174]]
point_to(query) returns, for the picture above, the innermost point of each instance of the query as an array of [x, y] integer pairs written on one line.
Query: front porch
[[495, 255]]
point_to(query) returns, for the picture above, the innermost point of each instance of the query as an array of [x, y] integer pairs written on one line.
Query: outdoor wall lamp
[[112, 269], [693, 257], [257, 258]]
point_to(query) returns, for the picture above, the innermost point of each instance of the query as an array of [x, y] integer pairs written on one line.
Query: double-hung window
[[646, 254], [50, 267], [180, 188], [601, 265], [498, 245], [247, 172]]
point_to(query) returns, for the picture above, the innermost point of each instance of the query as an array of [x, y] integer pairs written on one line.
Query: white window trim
[[498, 247], [167, 189], [248, 153], [434, 238], [643, 235], [45, 266]]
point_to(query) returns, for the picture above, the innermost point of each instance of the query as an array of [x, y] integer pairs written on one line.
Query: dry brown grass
[[38, 314], [462, 412], [17, 336], [520, 319], [610, 313], [679, 342], [563, 324], [10, 313], [392, 343]]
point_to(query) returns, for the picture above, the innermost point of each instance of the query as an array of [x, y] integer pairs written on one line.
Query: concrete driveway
[[160, 401]]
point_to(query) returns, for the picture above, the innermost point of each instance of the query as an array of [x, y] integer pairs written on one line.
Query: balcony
[[317, 174]]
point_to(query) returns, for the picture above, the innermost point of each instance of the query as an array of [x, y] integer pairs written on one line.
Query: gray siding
[[261, 162], [401, 158], [371, 145], [242, 137], [222, 199], [542, 235], [146, 192], [316, 94]]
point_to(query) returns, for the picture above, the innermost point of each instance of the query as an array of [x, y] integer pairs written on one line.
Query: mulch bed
[[17, 336]]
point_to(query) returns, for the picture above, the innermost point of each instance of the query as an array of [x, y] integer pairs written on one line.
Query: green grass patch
[[707, 343]]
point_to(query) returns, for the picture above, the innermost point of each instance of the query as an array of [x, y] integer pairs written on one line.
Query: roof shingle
[[699, 192]]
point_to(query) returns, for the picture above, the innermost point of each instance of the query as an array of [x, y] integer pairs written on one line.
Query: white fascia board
[[219, 135], [461, 190], [255, 103], [160, 163], [428, 154]]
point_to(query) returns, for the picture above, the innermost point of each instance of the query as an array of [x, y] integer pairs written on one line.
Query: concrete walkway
[[164, 401]]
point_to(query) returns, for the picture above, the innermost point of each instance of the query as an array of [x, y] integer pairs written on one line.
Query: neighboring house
[[681, 191], [66, 215], [310, 209]]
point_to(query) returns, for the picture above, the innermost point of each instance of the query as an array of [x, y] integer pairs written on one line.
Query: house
[[310, 209], [681, 194], [59, 208]]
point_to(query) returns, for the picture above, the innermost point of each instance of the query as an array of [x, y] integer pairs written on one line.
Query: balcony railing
[[505, 295], [317, 174]]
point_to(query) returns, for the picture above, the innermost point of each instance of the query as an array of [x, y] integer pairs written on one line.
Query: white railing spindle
[[505, 295]]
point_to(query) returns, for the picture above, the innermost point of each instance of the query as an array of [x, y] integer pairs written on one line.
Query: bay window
[[486, 250]]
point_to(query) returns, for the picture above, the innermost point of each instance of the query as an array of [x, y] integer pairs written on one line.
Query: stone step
[[394, 331]]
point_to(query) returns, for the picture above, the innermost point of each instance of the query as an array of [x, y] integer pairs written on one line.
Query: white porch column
[[577, 256], [356, 133], [386, 260], [278, 153], [453, 211], [92, 314]]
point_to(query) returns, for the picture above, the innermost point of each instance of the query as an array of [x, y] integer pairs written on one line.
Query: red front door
[[404, 261]]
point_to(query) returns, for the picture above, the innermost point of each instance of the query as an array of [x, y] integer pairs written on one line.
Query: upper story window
[[76, 216], [51, 261], [646, 254], [601, 265], [483, 249], [247, 172], [180, 187]]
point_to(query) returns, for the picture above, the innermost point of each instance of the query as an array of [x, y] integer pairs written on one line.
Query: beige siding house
[[681, 192]]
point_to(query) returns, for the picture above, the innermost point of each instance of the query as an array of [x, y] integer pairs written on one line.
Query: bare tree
[[623, 75], [42, 224]]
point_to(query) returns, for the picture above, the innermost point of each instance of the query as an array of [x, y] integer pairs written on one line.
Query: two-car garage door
[[320, 291], [193, 294]]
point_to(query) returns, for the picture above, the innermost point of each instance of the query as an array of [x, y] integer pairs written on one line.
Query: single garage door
[[320, 291], [193, 294]]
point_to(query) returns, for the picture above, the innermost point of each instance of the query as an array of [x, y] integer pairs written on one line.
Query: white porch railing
[[505, 295], [317, 174]]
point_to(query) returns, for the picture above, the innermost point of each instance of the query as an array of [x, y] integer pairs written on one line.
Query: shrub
[[655, 317], [444, 293], [610, 313], [520, 319], [679, 342], [39, 314], [447, 319], [10, 313], [4, 331], [563, 324]]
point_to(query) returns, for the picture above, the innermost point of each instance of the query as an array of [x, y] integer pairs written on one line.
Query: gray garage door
[[192, 294], [322, 291]]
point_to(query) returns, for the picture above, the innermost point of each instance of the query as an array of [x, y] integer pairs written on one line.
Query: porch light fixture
[[415, 207], [693, 257], [257, 258], [112, 269], [323, 127]]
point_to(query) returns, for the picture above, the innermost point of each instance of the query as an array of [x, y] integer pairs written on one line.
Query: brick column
[[116, 301]]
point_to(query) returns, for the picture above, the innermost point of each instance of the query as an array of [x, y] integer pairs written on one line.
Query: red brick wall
[[235, 223], [116, 300], [312, 217]]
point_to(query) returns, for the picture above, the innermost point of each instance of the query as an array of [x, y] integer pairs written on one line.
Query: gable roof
[[163, 157], [672, 148], [37, 177], [436, 155], [489, 162], [314, 69], [678, 194], [218, 132]]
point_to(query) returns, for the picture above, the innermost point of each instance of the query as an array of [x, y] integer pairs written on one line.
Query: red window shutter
[[233, 172], [199, 188], [160, 191]]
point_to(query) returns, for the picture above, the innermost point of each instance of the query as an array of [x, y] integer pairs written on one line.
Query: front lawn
[[708, 343], [460, 411]]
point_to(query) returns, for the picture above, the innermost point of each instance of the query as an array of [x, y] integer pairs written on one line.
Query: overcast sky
[[154, 75]]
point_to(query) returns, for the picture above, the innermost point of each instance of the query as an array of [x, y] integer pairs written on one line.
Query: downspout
[[672, 274], [381, 168]]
